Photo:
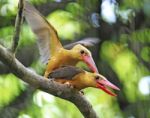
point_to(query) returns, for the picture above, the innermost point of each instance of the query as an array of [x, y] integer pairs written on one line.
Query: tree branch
[[38, 81], [46, 85], [18, 23]]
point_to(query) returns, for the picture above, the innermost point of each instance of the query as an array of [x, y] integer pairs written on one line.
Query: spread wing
[[87, 42], [67, 72], [47, 38]]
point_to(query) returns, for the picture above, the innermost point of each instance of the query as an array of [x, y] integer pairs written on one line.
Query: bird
[[51, 50], [80, 79]]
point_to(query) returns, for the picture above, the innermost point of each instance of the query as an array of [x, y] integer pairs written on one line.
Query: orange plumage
[[50, 46]]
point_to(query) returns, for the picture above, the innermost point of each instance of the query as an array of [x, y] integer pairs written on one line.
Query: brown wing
[[67, 72], [48, 41], [87, 42]]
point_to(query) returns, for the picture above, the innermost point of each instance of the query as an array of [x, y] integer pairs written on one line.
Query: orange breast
[[59, 59]]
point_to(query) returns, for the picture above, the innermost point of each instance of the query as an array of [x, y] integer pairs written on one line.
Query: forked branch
[[38, 81]]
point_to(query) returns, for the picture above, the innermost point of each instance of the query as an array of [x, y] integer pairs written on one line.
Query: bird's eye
[[97, 77], [82, 51]]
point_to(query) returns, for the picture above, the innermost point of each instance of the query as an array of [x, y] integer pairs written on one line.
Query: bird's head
[[82, 53], [98, 81]]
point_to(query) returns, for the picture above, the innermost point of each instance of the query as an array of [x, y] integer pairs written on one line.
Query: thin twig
[[37, 81], [18, 22]]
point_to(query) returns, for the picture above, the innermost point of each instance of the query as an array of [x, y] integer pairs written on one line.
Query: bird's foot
[[81, 92], [68, 85]]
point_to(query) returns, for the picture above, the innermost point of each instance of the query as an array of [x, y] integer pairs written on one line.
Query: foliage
[[124, 57]]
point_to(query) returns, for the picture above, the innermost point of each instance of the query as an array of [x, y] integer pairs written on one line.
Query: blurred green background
[[123, 56]]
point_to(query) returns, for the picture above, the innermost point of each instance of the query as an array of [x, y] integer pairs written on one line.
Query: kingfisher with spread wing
[[51, 49]]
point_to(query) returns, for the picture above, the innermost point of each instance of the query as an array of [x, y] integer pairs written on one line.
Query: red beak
[[90, 62], [104, 83]]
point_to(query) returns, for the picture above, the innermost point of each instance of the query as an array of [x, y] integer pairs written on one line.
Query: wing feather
[[47, 38], [87, 42], [66, 72]]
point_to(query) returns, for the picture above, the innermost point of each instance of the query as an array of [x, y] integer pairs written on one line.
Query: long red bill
[[106, 90], [90, 62], [104, 83], [108, 84]]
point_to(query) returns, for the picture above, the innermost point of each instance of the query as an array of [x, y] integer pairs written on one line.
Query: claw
[[68, 84], [81, 92]]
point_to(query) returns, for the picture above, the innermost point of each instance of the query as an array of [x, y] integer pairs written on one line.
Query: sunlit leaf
[[132, 4], [126, 66], [65, 24], [10, 87], [75, 8], [141, 35], [145, 54]]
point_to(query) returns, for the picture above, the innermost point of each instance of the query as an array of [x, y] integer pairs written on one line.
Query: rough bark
[[37, 81]]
